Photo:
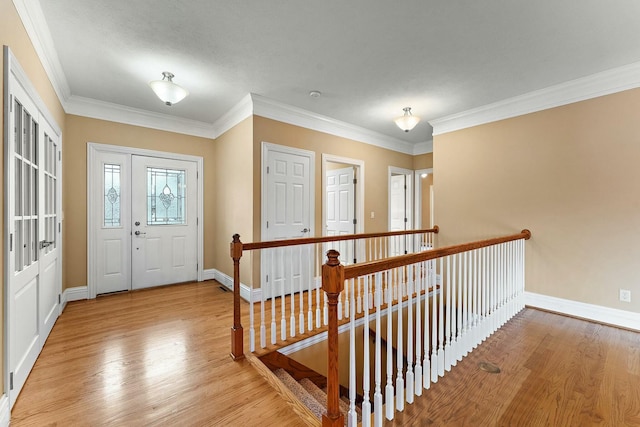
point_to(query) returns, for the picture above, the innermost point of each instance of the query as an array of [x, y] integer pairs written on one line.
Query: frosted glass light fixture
[[168, 92], [407, 121]]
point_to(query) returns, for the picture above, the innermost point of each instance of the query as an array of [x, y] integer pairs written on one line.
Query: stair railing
[[482, 286], [287, 301]]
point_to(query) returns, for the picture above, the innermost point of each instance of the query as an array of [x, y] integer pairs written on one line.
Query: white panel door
[[33, 270], [163, 216], [400, 209], [340, 193], [288, 186]]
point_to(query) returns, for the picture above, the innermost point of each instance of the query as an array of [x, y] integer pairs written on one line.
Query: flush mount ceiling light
[[407, 121], [169, 92]]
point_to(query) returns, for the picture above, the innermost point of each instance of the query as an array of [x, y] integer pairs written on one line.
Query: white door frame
[[359, 202], [266, 147], [92, 151], [418, 199], [14, 73]]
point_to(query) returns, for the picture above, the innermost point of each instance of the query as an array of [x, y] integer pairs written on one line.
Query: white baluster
[[366, 404], [410, 378], [301, 288], [352, 415], [272, 280], [309, 277], [252, 330], [426, 366], [292, 319], [316, 283], [465, 304], [389, 392], [399, 361], [455, 309], [263, 326], [420, 281], [377, 394], [448, 357], [359, 302], [434, 327], [441, 327]]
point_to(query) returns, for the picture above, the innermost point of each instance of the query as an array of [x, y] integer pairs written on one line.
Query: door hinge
[[10, 242], [197, 221], [355, 221], [59, 155], [59, 298], [59, 227], [11, 381], [11, 103], [405, 220], [267, 169], [267, 278], [355, 180], [267, 224]]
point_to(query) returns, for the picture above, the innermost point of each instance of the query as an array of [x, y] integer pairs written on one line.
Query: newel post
[[333, 284], [237, 335]]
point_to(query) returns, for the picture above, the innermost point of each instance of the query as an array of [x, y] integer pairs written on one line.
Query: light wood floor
[[161, 357]]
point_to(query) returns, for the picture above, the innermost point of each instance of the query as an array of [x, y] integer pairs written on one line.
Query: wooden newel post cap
[[527, 234], [332, 273], [236, 247]]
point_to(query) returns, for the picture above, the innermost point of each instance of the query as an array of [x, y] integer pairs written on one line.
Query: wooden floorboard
[[160, 357]]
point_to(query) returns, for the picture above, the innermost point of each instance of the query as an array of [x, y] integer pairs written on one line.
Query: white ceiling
[[369, 58]]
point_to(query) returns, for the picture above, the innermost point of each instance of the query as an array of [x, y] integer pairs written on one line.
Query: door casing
[[93, 150]]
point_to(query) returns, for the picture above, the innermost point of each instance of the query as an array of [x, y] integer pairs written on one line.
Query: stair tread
[[303, 395]]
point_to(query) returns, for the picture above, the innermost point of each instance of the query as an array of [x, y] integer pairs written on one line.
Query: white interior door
[[288, 213], [33, 246], [340, 205], [163, 216]]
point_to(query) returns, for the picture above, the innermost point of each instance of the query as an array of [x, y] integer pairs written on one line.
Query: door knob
[[138, 233], [306, 230]]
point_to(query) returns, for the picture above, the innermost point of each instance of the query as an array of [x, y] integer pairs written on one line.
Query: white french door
[[400, 208], [33, 270], [143, 219], [287, 201]]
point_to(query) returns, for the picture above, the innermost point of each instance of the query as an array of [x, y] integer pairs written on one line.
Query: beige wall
[[233, 184], [569, 174], [82, 130], [12, 34]]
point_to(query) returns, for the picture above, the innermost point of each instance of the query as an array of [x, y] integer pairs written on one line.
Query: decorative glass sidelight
[[112, 216], [166, 196]]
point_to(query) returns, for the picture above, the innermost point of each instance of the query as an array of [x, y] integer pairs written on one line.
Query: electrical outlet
[[625, 295]]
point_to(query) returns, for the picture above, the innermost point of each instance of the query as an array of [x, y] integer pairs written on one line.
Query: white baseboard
[[597, 313], [227, 281], [5, 413], [74, 294]]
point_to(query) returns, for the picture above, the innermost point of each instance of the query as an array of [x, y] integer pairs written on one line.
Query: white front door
[[340, 205], [163, 216], [288, 213], [33, 222]]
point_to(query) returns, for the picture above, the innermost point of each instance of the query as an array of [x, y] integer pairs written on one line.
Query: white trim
[[359, 189], [234, 116], [281, 112], [38, 31], [101, 110], [593, 86], [227, 282], [5, 413], [597, 313], [423, 147], [77, 293], [92, 149]]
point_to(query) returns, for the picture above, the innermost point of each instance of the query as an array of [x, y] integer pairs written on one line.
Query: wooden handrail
[[310, 240], [371, 267]]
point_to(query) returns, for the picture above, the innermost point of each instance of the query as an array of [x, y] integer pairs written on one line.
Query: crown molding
[[37, 29], [599, 84], [92, 108], [281, 112], [234, 116], [423, 147]]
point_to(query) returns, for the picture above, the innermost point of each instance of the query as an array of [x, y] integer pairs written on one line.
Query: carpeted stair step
[[321, 396], [303, 395]]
